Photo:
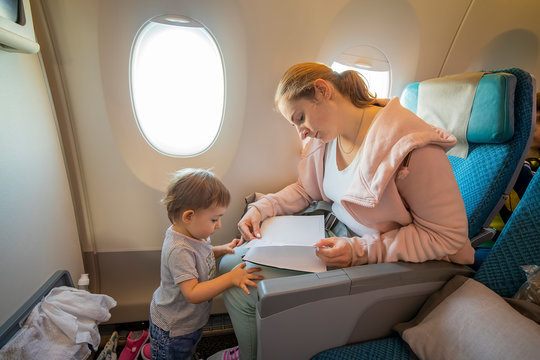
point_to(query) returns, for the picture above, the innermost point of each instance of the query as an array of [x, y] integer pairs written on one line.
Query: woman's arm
[[289, 200], [438, 229], [292, 198]]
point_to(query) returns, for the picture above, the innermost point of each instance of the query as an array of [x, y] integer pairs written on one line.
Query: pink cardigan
[[416, 208]]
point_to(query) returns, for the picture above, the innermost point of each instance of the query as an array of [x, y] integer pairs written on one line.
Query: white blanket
[[61, 326]]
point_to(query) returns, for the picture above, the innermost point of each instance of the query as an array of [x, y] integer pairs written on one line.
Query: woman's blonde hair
[[298, 82], [194, 189]]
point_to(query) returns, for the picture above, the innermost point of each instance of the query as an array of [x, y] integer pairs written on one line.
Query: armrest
[[299, 316]]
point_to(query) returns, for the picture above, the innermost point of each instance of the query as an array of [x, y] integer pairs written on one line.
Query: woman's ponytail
[[352, 84]]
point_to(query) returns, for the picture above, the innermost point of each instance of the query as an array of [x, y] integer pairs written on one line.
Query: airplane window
[[177, 85], [371, 63]]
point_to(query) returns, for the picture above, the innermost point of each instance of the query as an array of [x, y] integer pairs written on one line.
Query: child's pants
[[164, 347]]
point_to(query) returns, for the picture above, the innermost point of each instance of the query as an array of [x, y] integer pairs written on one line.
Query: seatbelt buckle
[[330, 221]]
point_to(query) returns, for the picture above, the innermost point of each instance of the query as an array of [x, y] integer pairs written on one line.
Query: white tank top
[[335, 185]]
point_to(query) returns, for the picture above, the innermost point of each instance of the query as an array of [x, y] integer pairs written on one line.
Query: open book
[[287, 242]]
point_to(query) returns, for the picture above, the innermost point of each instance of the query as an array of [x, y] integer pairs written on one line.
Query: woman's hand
[[249, 225], [242, 277], [335, 252]]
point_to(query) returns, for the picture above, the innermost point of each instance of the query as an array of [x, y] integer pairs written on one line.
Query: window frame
[[186, 22]]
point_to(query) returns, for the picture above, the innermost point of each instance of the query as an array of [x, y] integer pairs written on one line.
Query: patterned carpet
[[218, 335]]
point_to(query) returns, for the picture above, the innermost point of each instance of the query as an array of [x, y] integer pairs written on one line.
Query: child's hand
[[243, 277], [228, 248]]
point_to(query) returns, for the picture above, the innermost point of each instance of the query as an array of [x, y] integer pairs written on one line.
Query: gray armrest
[[299, 316]]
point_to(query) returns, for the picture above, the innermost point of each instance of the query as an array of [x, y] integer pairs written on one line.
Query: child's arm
[[221, 250], [197, 292]]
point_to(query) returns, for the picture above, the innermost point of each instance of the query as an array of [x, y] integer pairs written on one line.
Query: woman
[[383, 169]]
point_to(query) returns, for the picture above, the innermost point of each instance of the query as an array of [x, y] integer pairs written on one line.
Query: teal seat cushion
[[492, 113]]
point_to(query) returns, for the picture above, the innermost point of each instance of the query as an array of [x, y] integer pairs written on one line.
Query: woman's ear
[[323, 91], [187, 216]]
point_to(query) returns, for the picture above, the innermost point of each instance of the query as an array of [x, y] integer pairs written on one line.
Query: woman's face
[[311, 117]]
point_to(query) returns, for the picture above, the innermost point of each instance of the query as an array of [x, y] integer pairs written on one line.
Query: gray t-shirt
[[182, 258]]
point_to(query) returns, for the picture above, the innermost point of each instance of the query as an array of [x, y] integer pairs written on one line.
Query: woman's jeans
[[241, 307], [164, 347]]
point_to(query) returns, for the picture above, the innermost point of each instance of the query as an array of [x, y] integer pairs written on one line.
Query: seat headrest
[[492, 112]]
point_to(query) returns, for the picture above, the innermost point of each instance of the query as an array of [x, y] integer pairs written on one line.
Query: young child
[[195, 201]]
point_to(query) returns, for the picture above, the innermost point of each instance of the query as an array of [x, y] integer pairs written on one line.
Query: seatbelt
[[333, 226]]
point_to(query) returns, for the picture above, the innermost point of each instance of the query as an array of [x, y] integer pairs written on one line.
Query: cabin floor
[[218, 335]]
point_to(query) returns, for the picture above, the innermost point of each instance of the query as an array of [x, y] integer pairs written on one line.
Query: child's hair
[[194, 189]]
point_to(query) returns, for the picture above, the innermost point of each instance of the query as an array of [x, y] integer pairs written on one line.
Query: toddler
[[195, 201]]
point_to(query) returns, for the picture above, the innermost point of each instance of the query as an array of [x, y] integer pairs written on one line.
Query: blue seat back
[[517, 245], [488, 174]]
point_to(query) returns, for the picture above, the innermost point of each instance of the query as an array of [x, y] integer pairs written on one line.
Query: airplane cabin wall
[[124, 178], [37, 219], [496, 35]]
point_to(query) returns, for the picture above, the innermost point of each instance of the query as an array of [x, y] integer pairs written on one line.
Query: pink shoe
[[227, 354], [145, 352], [134, 344]]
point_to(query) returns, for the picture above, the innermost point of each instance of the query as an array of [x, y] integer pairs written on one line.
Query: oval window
[[177, 85], [371, 63]]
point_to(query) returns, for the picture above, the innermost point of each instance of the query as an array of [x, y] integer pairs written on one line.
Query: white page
[[290, 230], [287, 242]]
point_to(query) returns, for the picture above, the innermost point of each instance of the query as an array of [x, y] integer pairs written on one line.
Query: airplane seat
[[498, 144], [301, 316], [517, 245]]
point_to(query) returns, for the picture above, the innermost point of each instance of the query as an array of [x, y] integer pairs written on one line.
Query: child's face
[[205, 222]]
